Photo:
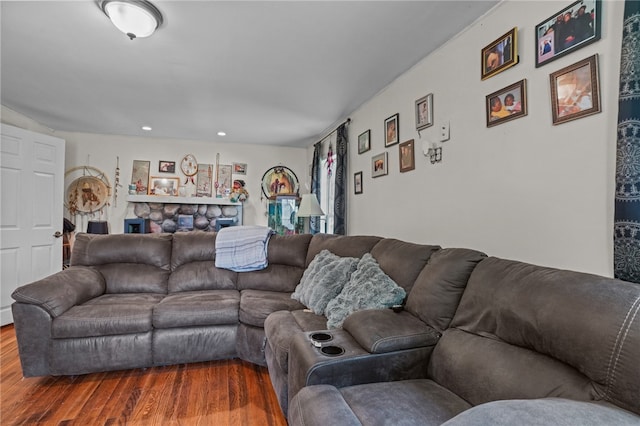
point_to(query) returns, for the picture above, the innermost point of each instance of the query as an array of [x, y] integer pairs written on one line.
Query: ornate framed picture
[[569, 29], [164, 185], [364, 141], [575, 91], [407, 156], [500, 54], [357, 183], [140, 176], [379, 166], [507, 104], [424, 112], [391, 130]]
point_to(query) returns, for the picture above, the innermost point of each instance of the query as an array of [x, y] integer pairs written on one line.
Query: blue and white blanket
[[243, 248]]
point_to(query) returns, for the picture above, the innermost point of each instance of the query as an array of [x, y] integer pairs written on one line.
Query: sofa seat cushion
[[281, 326], [197, 308], [256, 305], [127, 299], [91, 320], [406, 402]]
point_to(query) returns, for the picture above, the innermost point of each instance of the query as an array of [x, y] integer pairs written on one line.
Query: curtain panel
[[314, 221], [626, 247], [340, 197]]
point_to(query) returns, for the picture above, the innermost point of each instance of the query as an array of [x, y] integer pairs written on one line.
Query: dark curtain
[[340, 201], [314, 222], [626, 247]]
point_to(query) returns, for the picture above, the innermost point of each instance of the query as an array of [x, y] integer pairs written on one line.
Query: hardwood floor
[[228, 392]]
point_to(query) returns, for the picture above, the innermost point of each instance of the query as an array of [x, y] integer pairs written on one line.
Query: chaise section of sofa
[[537, 344]]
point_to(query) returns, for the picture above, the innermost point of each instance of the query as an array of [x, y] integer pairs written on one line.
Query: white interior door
[[31, 203]]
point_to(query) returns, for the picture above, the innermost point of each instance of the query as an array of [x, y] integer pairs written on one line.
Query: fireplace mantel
[[167, 199]]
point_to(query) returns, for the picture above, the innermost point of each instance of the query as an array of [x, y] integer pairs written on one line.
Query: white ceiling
[[265, 72]]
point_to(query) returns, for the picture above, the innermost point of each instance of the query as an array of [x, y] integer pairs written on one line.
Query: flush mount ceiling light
[[135, 18]]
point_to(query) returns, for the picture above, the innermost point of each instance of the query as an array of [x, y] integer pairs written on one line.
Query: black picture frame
[[568, 30], [357, 183], [364, 141]]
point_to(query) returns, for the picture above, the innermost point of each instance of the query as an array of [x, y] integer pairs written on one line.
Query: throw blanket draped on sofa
[[243, 248]]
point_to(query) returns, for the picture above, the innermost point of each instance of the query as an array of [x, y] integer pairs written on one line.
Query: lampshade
[[309, 206], [97, 227], [135, 18]]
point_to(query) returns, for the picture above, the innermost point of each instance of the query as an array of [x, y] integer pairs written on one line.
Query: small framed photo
[[164, 185], [569, 29], [140, 176], [364, 141], [167, 167], [500, 54], [391, 130], [357, 183], [574, 91], [239, 168], [507, 104], [407, 156], [379, 166], [424, 112]]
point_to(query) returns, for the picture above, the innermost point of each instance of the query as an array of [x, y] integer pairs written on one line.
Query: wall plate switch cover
[[444, 131]]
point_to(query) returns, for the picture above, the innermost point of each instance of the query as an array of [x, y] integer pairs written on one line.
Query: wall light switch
[[444, 131]]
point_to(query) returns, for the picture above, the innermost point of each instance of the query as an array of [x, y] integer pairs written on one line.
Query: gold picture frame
[[500, 54]]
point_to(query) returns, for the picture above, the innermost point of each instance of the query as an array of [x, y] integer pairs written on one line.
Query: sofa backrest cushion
[[402, 261], [340, 245], [287, 260], [130, 263], [526, 331], [193, 264], [436, 293]]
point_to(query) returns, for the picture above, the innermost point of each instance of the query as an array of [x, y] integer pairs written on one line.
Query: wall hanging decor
[[223, 181], [500, 54], [379, 165], [204, 186], [424, 112], [569, 29], [357, 183], [407, 156], [507, 104], [280, 180], [167, 166], [164, 186], [140, 176], [88, 190], [189, 167], [391, 130], [239, 168], [364, 141], [575, 91]]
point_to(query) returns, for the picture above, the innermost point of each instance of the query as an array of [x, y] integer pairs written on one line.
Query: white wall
[[524, 189], [100, 151]]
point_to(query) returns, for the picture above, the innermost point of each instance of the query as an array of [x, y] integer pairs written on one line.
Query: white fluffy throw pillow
[[323, 280], [368, 288]]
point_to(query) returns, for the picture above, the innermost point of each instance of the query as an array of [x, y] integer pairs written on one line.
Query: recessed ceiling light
[[147, 128], [222, 134]]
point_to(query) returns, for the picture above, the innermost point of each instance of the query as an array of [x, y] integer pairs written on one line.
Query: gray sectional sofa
[[479, 340]]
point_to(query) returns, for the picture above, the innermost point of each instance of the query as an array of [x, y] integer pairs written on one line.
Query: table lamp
[[309, 207]]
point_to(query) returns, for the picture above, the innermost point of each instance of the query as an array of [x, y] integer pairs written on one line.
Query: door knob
[[58, 234]]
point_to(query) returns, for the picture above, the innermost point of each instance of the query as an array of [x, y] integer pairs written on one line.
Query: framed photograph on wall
[[204, 180], [364, 141], [391, 130], [500, 54], [424, 112], [164, 185], [357, 183], [407, 156], [379, 166], [567, 30], [575, 91], [167, 166], [140, 176], [239, 168], [507, 104]]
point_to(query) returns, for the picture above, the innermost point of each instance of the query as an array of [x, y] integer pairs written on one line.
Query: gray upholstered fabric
[[383, 330], [352, 246], [74, 286], [147, 249], [102, 320], [201, 275], [323, 280], [256, 305], [401, 260], [196, 246], [310, 405], [250, 344], [544, 412], [193, 344], [134, 278], [368, 288], [439, 287], [197, 308], [126, 299]]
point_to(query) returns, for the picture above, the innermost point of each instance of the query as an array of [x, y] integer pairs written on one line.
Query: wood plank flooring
[[228, 392]]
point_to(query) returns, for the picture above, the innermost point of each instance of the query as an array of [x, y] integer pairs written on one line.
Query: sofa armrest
[[383, 330], [59, 292]]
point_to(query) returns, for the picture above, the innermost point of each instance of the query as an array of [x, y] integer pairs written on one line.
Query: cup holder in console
[[332, 350], [319, 338]]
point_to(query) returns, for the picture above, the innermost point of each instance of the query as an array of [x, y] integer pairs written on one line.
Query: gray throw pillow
[[368, 288], [323, 280]]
